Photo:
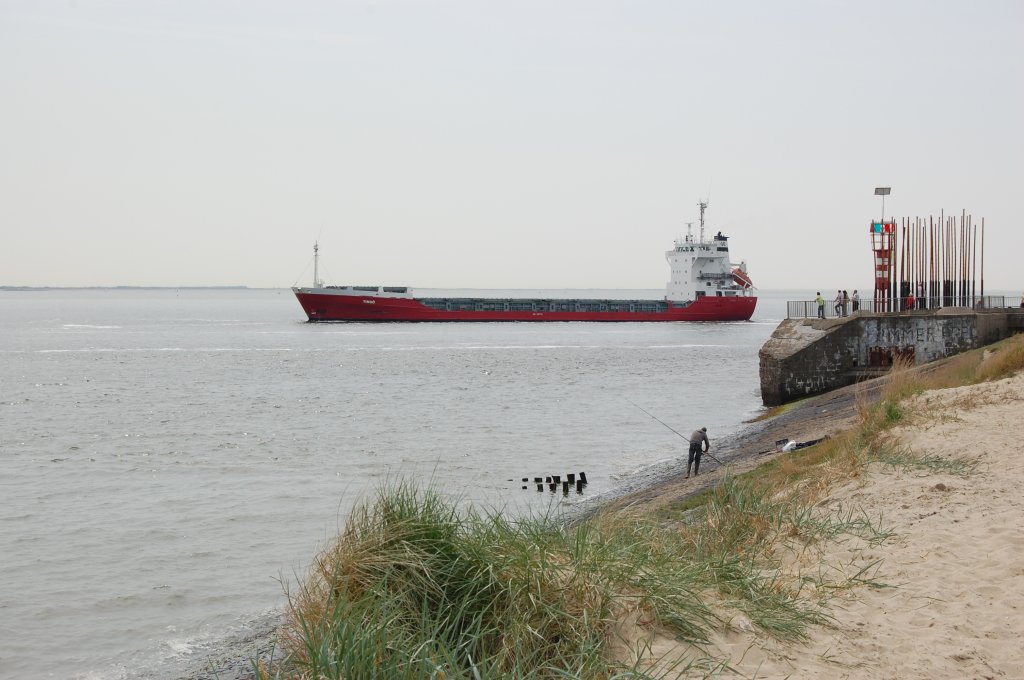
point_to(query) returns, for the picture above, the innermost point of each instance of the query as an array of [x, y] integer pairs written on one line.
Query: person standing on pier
[[839, 302], [698, 439], [856, 300], [821, 304]]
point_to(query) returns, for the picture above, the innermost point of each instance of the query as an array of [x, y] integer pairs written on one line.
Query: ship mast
[[316, 262], [703, 207]]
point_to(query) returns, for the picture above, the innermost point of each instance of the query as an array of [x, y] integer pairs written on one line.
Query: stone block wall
[[810, 356]]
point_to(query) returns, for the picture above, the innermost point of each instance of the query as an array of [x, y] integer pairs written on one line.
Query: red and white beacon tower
[[882, 245]]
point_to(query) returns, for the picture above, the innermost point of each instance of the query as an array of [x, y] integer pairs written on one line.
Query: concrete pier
[[810, 356]]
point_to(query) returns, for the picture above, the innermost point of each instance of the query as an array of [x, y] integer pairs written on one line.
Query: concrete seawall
[[810, 356]]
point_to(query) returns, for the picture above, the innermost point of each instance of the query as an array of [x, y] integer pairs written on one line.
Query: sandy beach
[[946, 598]]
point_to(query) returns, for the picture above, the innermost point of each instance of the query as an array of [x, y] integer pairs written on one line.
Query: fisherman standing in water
[[698, 439]]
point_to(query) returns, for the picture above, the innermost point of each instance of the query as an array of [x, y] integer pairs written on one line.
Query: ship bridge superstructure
[[700, 266]]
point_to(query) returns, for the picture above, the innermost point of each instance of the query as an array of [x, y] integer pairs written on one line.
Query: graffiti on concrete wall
[[920, 331], [916, 340]]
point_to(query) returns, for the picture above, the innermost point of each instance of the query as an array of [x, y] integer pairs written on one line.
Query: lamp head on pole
[[883, 192]]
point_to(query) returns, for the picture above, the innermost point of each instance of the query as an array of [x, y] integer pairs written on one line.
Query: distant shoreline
[[44, 288]]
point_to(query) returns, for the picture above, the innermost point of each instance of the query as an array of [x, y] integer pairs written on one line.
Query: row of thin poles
[[935, 263]]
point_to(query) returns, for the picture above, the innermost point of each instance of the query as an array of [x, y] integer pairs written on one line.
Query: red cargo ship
[[704, 286]]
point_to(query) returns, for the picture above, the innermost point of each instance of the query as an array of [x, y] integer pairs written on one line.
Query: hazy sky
[[520, 144]]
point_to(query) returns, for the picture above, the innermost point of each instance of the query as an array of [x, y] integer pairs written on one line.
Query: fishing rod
[[678, 434]]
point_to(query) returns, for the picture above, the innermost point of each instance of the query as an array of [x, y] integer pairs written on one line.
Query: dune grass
[[993, 362], [417, 586]]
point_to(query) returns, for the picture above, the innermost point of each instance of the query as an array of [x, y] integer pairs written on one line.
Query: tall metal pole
[[946, 260], [963, 259], [903, 265], [982, 257], [940, 229], [957, 262], [944, 274], [924, 262], [974, 260], [931, 261], [959, 234], [893, 283]]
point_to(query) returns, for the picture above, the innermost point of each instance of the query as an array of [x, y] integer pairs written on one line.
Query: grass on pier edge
[[416, 587]]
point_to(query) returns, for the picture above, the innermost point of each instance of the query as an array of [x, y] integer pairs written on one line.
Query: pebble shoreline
[[232, 657]]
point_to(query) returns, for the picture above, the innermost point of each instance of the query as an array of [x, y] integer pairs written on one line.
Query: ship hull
[[322, 304]]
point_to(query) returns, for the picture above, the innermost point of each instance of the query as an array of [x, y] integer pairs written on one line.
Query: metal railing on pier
[[809, 309]]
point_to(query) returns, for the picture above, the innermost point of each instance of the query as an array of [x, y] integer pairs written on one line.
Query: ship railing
[[808, 309], [371, 289], [695, 246]]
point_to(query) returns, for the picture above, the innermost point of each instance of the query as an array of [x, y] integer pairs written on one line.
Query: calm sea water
[[168, 459]]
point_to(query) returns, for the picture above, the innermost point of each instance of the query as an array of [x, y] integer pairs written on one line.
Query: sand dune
[[955, 562]]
